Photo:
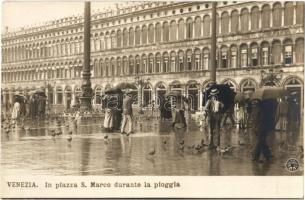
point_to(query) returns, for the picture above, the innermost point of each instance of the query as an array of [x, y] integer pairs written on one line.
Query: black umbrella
[[124, 86], [39, 92], [113, 91], [269, 93]]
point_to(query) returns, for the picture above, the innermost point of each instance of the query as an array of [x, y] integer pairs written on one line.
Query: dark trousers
[[214, 123], [261, 146]]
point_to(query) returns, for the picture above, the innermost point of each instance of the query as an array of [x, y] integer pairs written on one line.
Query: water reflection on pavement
[[43, 147]]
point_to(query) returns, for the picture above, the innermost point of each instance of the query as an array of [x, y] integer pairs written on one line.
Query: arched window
[[276, 52], [112, 66], [197, 27], [189, 28], [173, 62], [101, 69], [181, 61], [198, 65], [158, 32], [255, 17], [189, 60], [119, 38], [288, 13], [113, 40], [265, 53], [206, 26], [98, 95], [299, 50], [173, 31], [158, 63], [277, 15], [125, 37], [138, 35], [206, 58], [144, 35], [181, 29], [234, 21], [119, 67], [131, 37], [233, 51], [224, 57], [288, 59], [248, 85], [165, 62], [165, 32], [150, 64], [59, 94], [225, 23], [266, 16], [131, 65], [244, 55], [144, 64], [151, 34], [138, 63], [244, 20], [254, 55], [125, 66], [95, 68], [108, 41], [300, 12], [107, 67]]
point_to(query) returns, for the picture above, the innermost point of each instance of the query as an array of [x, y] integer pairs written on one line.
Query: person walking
[[212, 113], [108, 120], [263, 116], [165, 109], [16, 111], [127, 114]]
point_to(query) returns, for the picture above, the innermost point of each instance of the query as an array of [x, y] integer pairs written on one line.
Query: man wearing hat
[[212, 113], [127, 113]]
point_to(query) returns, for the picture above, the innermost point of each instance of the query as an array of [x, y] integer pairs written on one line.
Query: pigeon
[[106, 137], [152, 152], [164, 141], [69, 139], [70, 133]]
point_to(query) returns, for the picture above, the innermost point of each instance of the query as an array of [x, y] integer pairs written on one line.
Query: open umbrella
[[39, 92], [113, 91], [269, 93], [124, 86]]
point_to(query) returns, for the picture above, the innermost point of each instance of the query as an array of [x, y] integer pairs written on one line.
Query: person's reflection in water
[[113, 154], [85, 156], [214, 163], [261, 169]]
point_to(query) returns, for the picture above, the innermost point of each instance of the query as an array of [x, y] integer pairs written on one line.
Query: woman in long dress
[[16, 110], [108, 121]]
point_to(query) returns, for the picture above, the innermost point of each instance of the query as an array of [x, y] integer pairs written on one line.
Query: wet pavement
[[47, 147]]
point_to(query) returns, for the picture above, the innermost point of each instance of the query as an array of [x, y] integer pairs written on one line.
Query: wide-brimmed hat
[[214, 92]]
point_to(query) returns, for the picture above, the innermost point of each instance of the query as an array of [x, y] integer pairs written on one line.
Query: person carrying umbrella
[[127, 122]]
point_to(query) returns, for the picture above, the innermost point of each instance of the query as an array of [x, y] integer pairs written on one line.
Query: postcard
[[162, 99]]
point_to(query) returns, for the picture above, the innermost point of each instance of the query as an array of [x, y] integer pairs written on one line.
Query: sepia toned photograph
[[152, 88]]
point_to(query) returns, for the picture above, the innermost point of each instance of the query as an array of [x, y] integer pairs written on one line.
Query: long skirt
[[108, 121]]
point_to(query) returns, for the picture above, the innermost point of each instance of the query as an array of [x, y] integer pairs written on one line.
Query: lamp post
[[213, 44], [141, 83], [87, 91]]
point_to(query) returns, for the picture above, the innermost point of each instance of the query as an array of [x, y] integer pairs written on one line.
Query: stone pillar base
[[85, 104]]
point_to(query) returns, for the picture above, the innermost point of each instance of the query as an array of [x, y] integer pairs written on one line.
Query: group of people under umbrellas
[[33, 107], [257, 112]]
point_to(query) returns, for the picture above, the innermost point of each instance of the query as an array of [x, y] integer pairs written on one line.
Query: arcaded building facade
[[167, 45]]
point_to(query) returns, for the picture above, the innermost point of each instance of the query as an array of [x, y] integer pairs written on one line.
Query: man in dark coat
[[264, 119], [212, 112]]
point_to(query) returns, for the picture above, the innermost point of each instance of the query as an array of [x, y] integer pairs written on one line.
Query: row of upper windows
[[153, 34], [277, 7], [188, 61]]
